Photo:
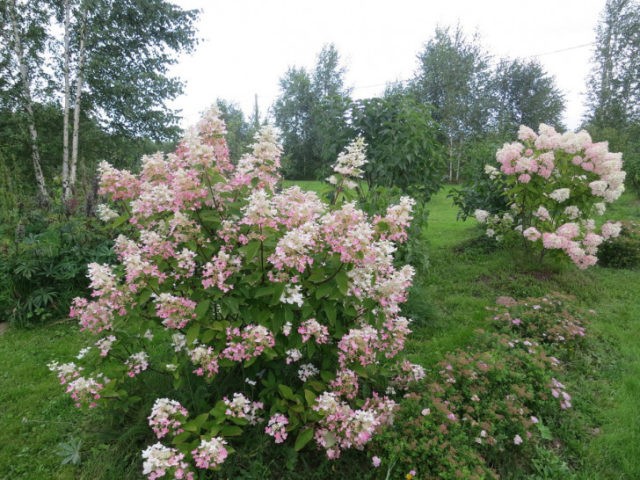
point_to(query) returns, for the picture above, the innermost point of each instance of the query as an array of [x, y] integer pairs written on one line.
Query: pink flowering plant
[[555, 185], [483, 411], [271, 310]]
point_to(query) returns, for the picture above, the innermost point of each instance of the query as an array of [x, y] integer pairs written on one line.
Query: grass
[[35, 417], [467, 273]]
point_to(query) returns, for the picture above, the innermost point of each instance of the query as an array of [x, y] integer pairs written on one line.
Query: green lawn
[[602, 441]]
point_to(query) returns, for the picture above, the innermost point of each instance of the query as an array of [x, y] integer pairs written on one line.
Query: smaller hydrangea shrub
[[556, 184], [270, 309]]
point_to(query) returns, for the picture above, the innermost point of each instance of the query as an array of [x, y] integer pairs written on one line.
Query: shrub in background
[[46, 267], [555, 185], [623, 251], [272, 311]]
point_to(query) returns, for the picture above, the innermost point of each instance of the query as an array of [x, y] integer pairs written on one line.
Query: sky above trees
[[249, 44]]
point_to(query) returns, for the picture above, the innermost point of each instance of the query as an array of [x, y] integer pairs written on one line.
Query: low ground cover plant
[[489, 409], [270, 310]]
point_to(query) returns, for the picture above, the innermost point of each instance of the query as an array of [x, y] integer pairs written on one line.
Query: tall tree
[[118, 52], [403, 145], [312, 112], [614, 84], [455, 78], [293, 110], [239, 131], [23, 31], [525, 95]]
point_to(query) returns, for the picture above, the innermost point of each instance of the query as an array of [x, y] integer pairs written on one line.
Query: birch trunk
[[458, 166], [66, 189], [43, 195], [450, 160], [76, 106]]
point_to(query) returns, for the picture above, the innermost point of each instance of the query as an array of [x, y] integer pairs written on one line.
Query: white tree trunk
[[28, 105], [450, 160], [66, 189], [76, 107]]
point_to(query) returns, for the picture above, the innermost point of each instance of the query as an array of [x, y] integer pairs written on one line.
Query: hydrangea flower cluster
[[210, 453], [276, 428], [161, 461], [166, 417], [556, 183], [261, 299]]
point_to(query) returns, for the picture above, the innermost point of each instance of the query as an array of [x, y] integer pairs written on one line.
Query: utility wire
[[576, 47], [567, 49]]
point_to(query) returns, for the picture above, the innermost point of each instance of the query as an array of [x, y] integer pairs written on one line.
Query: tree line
[[83, 80], [93, 73]]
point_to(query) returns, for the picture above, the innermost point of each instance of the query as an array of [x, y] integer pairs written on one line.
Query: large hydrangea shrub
[[280, 311]]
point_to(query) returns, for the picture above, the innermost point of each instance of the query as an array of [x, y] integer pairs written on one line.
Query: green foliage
[[311, 113], [70, 451], [613, 86], [479, 191], [484, 410], [46, 267], [403, 147], [623, 251], [133, 42], [454, 78], [239, 132], [525, 95]]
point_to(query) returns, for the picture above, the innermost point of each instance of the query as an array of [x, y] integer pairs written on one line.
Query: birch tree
[[454, 77], [23, 31], [116, 57]]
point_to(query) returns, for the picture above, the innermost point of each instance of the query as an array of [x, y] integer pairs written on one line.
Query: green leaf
[[192, 334], [310, 397], [202, 308], [231, 431], [304, 437], [264, 291], [545, 432], [324, 290], [144, 296], [251, 249], [330, 311], [119, 221], [286, 392], [181, 438], [342, 280]]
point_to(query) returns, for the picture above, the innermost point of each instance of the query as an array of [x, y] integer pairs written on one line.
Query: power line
[[567, 49], [576, 47]]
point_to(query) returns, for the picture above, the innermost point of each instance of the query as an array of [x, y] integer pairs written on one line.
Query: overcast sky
[[247, 45]]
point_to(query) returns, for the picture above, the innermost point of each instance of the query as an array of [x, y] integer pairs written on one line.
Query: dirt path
[[3, 327]]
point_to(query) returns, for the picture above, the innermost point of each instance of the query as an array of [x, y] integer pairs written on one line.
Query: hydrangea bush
[[281, 312], [556, 184]]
